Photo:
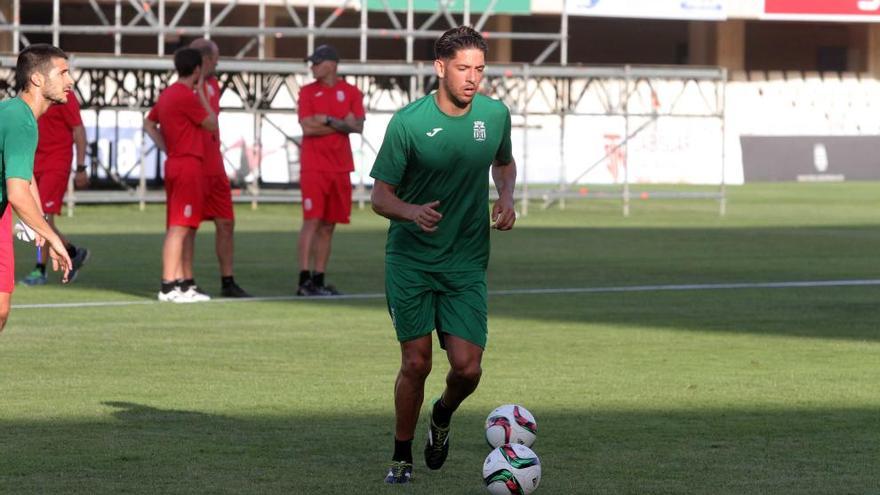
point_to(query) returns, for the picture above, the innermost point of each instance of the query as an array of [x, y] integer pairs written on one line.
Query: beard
[[460, 102], [57, 99]]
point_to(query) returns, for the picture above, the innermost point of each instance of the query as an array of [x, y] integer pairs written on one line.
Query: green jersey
[[430, 156], [18, 143]]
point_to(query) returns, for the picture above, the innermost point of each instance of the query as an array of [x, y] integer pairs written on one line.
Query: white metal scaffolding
[[640, 96]]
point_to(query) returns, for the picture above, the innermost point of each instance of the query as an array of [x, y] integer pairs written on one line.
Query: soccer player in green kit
[[42, 78], [432, 181]]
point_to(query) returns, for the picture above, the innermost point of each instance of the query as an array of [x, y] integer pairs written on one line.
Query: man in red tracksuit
[[218, 194], [176, 124], [60, 129], [329, 110]]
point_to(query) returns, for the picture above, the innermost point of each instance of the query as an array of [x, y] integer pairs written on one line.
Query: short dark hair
[[186, 60], [457, 39], [35, 58]]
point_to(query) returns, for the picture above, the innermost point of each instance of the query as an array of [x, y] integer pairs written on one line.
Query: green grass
[[724, 391]]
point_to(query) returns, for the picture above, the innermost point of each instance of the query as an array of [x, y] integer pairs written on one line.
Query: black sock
[[42, 268], [402, 450], [71, 250], [227, 281], [318, 279], [186, 283], [168, 286], [304, 276], [442, 414]]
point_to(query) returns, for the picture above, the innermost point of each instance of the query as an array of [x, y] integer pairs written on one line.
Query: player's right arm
[[386, 203], [388, 170], [210, 122], [81, 179], [21, 199], [151, 127]]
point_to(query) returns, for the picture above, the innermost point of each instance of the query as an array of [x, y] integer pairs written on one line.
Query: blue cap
[[322, 53]]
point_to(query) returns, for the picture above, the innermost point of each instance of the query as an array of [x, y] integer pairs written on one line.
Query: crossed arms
[[322, 125]]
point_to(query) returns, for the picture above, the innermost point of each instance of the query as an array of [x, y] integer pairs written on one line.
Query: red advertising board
[[827, 10]]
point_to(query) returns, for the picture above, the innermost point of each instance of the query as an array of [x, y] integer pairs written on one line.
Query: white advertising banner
[[669, 150], [710, 10]]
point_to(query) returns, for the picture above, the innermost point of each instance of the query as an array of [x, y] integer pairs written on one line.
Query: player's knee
[[4, 315], [468, 371], [417, 367], [225, 225], [326, 228]]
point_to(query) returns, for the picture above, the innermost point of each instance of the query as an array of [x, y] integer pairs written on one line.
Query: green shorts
[[455, 303]]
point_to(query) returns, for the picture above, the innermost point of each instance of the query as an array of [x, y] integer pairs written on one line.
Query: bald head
[[210, 54]]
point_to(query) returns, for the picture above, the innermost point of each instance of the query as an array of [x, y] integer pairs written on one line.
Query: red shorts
[[218, 198], [326, 196], [184, 185], [52, 184], [7, 255]]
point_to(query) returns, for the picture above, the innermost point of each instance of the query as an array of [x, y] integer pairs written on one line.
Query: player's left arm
[[35, 193], [81, 179], [353, 123], [503, 212], [21, 194], [349, 125], [317, 125], [34, 190]]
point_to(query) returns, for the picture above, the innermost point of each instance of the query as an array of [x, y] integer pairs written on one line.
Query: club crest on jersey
[[479, 130], [340, 95]]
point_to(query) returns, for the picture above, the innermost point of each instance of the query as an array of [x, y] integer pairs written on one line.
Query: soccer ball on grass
[[512, 469]]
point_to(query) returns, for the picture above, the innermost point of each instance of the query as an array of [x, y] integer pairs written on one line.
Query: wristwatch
[[328, 120], [80, 168]]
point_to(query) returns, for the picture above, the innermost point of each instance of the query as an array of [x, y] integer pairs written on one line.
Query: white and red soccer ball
[[512, 469], [511, 423]]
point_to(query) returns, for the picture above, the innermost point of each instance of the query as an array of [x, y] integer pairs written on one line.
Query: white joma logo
[[869, 5], [434, 131]]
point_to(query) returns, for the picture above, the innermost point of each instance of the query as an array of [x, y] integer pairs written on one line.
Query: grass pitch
[[702, 391]]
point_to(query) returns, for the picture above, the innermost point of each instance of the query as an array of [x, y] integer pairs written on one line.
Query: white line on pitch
[[508, 292]]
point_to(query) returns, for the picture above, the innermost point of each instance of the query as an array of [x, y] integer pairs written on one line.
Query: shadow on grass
[[145, 449], [523, 258], [561, 258]]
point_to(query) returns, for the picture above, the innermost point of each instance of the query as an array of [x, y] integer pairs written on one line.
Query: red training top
[[332, 152], [180, 114], [213, 159], [55, 147]]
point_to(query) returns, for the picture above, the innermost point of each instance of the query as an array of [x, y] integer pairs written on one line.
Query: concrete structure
[[746, 38]]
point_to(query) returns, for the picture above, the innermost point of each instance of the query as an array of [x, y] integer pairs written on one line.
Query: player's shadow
[[128, 411], [139, 448]]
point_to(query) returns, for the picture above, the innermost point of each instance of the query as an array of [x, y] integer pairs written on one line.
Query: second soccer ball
[[511, 423]]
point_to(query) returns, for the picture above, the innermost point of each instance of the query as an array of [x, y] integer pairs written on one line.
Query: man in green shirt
[[42, 78], [432, 181]]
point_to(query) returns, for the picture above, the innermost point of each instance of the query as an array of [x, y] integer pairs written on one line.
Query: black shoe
[[325, 290], [233, 290], [399, 472], [79, 259], [306, 288], [437, 446]]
